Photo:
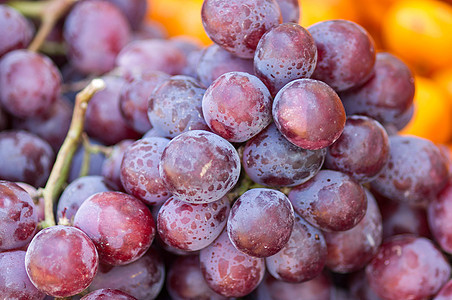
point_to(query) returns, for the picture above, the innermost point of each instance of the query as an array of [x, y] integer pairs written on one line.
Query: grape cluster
[[266, 166]]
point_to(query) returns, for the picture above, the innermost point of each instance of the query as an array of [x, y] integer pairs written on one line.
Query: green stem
[[59, 174], [31, 9]]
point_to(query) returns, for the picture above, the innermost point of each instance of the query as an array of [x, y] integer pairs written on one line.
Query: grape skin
[[445, 293], [16, 31], [207, 170], [438, 216], [290, 10], [134, 10], [111, 167], [106, 294]]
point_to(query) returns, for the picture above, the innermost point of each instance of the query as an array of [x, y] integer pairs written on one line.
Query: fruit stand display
[[226, 149]]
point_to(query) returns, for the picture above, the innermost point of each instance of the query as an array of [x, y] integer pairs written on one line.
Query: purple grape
[[104, 120], [438, 216], [77, 192], [351, 250], [134, 99], [134, 10], [25, 157], [29, 83], [111, 167], [237, 106], [359, 287], [142, 279], [302, 258], [228, 271], [445, 293], [407, 267], [14, 281], [95, 32], [387, 96], [260, 222], [270, 159], [285, 53], [121, 226], [107, 294], [191, 227], [151, 55], [175, 106], [16, 31], [362, 150], [290, 10], [346, 53], [95, 162], [331, 201], [52, 126], [237, 25], [61, 261], [185, 281], [18, 217], [139, 172], [208, 168], [150, 30], [404, 178], [37, 200], [215, 61], [309, 114]]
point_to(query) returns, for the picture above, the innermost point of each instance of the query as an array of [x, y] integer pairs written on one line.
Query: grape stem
[[89, 149], [51, 12], [60, 170]]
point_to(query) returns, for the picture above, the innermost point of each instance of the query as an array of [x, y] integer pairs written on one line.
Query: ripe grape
[[285, 53], [134, 10], [309, 114], [260, 222], [407, 267], [331, 201], [361, 151], [237, 106], [38, 200], [438, 216], [15, 30], [61, 261], [121, 227], [25, 157], [111, 167], [387, 96], [352, 249], [185, 281], [199, 166], [214, 61], [302, 258], [95, 32], [445, 293], [142, 279], [134, 99], [18, 218], [290, 10], [228, 271], [104, 120], [140, 170], [236, 25], [151, 55], [107, 294], [175, 106], [270, 159], [191, 227], [29, 83], [14, 281], [77, 192], [96, 161], [404, 178], [359, 287], [346, 53]]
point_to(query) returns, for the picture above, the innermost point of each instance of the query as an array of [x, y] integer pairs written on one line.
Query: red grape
[[29, 83], [121, 226], [309, 114], [290, 10], [346, 53], [439, 215], [38, 200], [15, 30], [237, 106], [331, 201], [95, 32], [407, 267], [191, 227], [134, 10], [199, 166], [237, 25], [96, 161], [228, 271], [61, 261], [285, 53], [14, 281], [111, 167], [260, 222], [108, 294], [302, 258], [445, 293]]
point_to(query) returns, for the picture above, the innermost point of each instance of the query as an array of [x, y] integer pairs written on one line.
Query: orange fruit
[[179, 17], [314, 11], [419, 31], [432, 117], [444, 79]]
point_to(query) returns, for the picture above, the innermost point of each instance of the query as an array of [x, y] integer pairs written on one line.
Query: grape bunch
[[265, 166]]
